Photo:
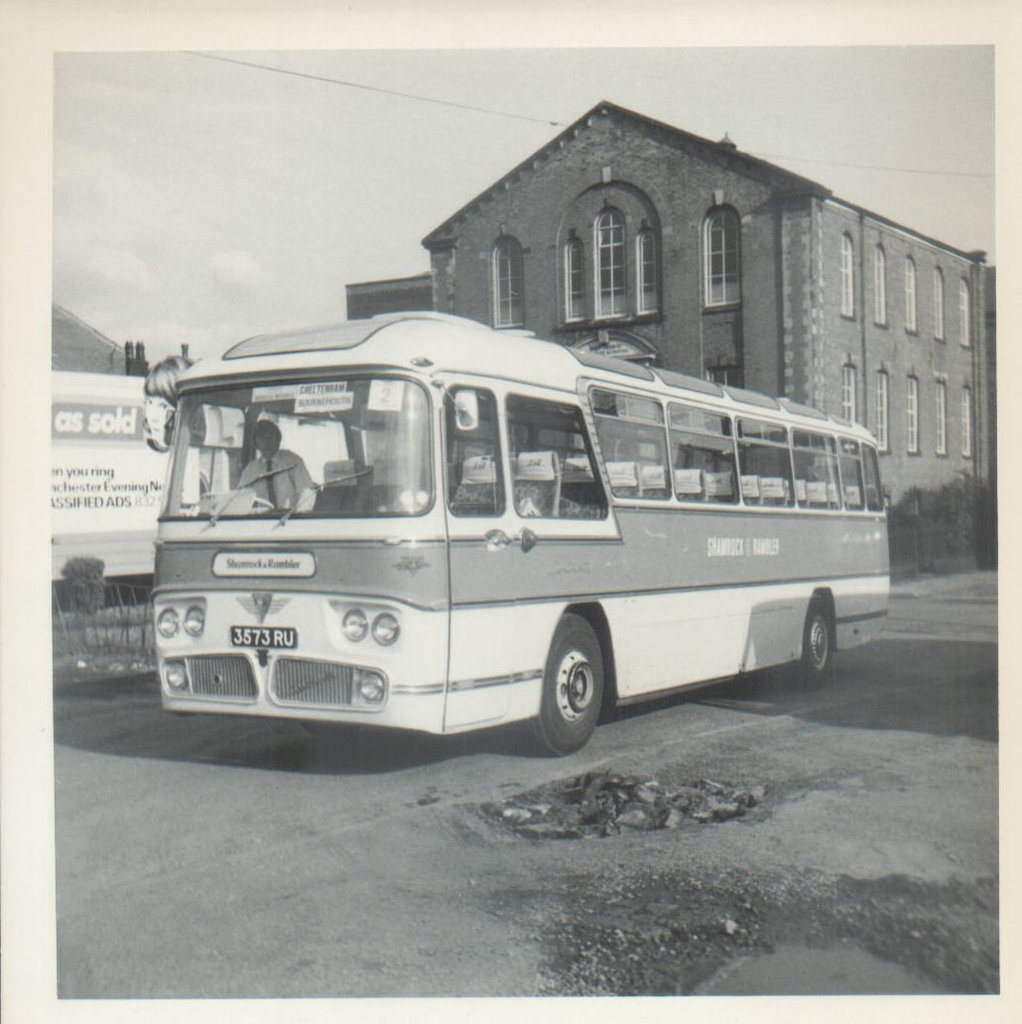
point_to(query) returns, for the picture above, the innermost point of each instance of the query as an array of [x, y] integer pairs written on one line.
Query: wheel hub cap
[[818, 643], [574, 686]]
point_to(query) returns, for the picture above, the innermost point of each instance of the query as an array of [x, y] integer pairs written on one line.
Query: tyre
[[817, 661], [572, 689]]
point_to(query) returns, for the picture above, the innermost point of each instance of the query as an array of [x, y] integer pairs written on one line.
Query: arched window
[[910, 294], [722, 283], [849, 392], [574, 280], [964, 313], [508, 283], [611, 290], [879, 285], [847, 276], [938, 303], [646, 271]]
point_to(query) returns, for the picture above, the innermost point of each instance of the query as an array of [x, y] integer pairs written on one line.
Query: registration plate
[[264, 636]]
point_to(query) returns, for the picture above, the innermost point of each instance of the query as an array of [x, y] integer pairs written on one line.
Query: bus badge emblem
[[261, 602]]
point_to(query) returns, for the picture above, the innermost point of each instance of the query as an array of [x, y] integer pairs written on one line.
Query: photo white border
[[31, 31]]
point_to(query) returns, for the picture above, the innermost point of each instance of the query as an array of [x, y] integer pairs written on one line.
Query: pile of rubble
[[600, 803]]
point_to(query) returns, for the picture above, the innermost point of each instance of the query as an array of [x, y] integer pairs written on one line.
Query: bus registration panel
[[264, 636]]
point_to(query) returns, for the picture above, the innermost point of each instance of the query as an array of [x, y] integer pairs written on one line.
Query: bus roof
[[427, 343]]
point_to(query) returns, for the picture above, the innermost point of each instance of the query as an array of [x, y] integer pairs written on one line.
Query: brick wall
[[648, 177]]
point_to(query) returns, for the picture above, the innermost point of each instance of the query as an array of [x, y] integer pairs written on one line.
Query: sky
[[200, 200]]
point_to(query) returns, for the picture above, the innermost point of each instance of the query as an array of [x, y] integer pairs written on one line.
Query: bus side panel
[[860, 608], [497, 658]]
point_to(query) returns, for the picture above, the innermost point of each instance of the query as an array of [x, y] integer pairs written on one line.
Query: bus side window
[[874, 493], [632, 439], [552, 467], [704, 456], [851, 473], [475, 475], [816, 479], [764, 463]]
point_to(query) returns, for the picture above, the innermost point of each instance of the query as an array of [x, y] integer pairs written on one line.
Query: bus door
[[522, 491]]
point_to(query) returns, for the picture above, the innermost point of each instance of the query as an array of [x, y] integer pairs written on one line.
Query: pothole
[[600, 804]]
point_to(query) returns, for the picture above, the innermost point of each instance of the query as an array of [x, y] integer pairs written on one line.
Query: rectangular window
[[816, 480], [633, 444], [721, 271], [967, 422], [910, 294], [508, 284], [552, 467], [848, 392], [703, 456], [574, 281], [938, 304], [941, 418], [475, 474], [964, 314], [912, 413], [850, 463], [881, 411], [764, 463], [879, 286], [871, 473]]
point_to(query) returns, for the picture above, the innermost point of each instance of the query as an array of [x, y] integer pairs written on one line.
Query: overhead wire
[[376, 88], [554, 124]]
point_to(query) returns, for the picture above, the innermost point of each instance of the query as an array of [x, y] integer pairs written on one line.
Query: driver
[[278, 477]]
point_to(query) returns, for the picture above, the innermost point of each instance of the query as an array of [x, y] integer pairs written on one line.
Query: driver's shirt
[[289, 478]]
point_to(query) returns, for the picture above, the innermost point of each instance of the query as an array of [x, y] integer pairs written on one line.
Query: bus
[[415, 521]]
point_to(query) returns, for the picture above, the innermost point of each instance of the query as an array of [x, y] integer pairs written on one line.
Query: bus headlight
[[355, 625], [195, 620], [371, 687], [385, 629], [176, 675], [167, 623]]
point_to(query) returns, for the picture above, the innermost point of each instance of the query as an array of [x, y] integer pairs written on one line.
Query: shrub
[[943, 527], [84, 577]]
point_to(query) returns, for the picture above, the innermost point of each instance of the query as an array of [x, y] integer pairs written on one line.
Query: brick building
[[631, 237]]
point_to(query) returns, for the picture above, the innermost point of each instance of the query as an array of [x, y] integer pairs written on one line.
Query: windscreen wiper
[[326, 484], [229, 496]]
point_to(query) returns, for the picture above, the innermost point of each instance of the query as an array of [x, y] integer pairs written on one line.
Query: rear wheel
[[816, 664], [572, 688]]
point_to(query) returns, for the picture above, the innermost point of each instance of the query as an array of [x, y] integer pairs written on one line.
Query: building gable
[[722, 154]]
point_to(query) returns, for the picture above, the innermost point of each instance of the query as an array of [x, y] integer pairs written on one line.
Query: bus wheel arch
[[573, 688], [594, 614], [819, 641]]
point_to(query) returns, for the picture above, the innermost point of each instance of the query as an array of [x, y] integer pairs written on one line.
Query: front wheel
[[817, 662], [572, 688]]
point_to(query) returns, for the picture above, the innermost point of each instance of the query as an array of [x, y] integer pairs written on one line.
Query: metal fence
[[123, 626]]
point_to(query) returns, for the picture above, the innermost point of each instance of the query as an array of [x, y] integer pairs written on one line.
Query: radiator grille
[[306, 682], [225, 676]]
